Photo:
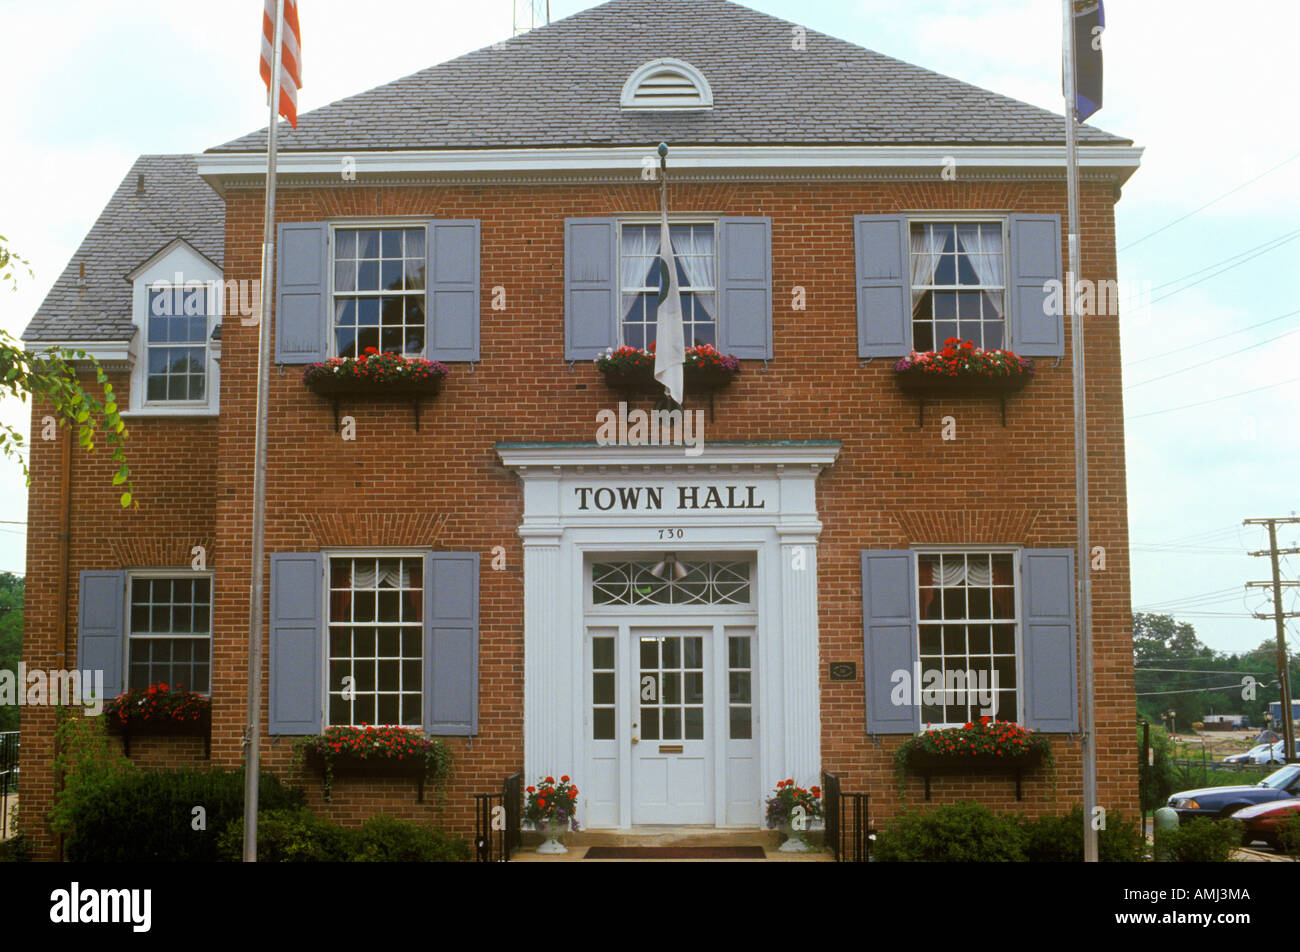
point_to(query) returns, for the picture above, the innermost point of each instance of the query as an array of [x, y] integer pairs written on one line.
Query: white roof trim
[[112, 355], [214, 166], [666, 83]]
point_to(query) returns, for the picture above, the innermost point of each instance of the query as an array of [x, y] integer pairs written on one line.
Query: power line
[[1194, 671], [1202, 343], [1212, 360], [1225, 687], [1274, 247], [1230, 396], [1210, 202], [1282, 238]]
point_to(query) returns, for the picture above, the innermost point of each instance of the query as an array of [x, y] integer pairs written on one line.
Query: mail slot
[[670, 748]]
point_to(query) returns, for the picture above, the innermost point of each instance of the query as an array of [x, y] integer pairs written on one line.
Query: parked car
[[1219, 802], [1247, 757], [1264, 821]]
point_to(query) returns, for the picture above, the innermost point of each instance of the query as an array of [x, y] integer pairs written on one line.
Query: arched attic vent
[[667, 84]]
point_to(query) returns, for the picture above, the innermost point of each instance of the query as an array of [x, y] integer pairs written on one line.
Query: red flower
[[564, 778], [550, 780]]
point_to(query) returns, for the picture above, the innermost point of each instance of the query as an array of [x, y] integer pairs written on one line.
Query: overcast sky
[[1211, 93]]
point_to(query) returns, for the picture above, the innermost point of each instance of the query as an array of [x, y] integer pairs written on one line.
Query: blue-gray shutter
[[890, 638], [301, 298], [297, 633], [452, 290], [1037, 330], [451, 643], [884, 285], [591, 287], [101, 628], [745, 287], [1048, 644]]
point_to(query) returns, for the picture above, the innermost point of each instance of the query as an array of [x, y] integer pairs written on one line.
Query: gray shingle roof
[[132, 228], [559, 85]]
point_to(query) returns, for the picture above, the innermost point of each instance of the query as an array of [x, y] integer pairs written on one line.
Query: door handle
[[636, 740]]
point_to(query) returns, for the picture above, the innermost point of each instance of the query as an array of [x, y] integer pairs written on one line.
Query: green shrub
[[1202, 840], [961, 832], [16, 849], [1288, 837], [383, 839], [149, 815], [1059, 839], [88, 762], [289, 836]]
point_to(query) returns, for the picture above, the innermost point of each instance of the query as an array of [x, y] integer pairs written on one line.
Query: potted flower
[[376, 374], [378, 751], [552, 808], [791, 809], [960, 369], [631, 369], [158, 710], [977, 746]]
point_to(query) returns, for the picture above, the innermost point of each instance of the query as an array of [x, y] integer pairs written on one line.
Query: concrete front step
[[674, 836]]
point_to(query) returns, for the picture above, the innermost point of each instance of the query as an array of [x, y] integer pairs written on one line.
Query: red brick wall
[[893, 485]]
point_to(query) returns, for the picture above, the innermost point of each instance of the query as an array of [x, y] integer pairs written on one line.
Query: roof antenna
[[139, 183], [81, 277]]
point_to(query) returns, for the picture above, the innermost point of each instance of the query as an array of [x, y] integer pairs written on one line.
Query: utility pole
[[1279, 619]]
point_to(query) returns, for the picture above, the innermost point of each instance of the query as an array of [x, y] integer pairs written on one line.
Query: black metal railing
[[848, 821], [8, 776], [497, 828]]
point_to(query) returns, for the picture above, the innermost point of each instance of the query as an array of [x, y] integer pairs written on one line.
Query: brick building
[[487, 569]]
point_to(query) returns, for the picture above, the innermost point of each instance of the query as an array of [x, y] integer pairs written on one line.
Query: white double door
[[671, 729]]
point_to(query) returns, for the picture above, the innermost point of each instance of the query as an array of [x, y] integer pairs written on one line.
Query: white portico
[[670, 625]]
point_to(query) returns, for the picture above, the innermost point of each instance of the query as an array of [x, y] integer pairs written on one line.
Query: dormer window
[[671, 84], [177, 304]]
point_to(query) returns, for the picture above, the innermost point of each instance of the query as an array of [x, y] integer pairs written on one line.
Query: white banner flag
[[670, 345]]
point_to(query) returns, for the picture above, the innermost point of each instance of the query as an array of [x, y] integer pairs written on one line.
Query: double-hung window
[[958, 283], [968, 632], [379, 291], [176, 345], [375, 640], [642, 280], [170, 631]]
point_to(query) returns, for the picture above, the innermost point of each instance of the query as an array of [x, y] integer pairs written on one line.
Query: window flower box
[[376, 375], [961, 369], [375, 752], [159, 711], [985, 746], [631, 371]]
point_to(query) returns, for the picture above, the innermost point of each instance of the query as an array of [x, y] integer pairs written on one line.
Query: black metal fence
[[8, 776], [497, 828], [848, 823]]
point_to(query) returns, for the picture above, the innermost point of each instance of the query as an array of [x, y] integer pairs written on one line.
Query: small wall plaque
[[844, 671]]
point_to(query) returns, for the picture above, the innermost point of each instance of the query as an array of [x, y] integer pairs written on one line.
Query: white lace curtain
[[927, 245], [983, 249]]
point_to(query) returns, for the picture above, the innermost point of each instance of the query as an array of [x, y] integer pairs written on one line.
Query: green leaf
[[110, 407], [120, 476], [126, 500]]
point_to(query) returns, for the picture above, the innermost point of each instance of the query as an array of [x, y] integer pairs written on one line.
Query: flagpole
[[1084, 557], [253, 727]]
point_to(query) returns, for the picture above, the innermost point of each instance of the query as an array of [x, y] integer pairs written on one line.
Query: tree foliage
[[52, 376], [11, 638]]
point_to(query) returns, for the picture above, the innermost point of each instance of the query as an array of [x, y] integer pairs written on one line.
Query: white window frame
[[1018, 584], [178, 258], [713, 222], [334, 228], [371, 553], [128, 635], [961, 218]]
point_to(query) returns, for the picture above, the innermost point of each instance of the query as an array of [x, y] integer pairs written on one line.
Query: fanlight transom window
[[680, 582]]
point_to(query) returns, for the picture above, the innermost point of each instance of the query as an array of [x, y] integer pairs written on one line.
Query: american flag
[[290, 57]]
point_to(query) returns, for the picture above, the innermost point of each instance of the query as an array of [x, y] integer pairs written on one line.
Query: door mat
[[675, 852]]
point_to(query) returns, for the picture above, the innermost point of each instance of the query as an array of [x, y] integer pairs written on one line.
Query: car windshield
[[1281, 779]]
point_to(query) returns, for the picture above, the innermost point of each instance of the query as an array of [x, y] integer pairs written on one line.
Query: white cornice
[[342, 166], [112, 355], [553, 459]]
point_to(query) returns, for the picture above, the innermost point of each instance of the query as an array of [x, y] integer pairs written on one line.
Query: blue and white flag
[[670, 342]]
